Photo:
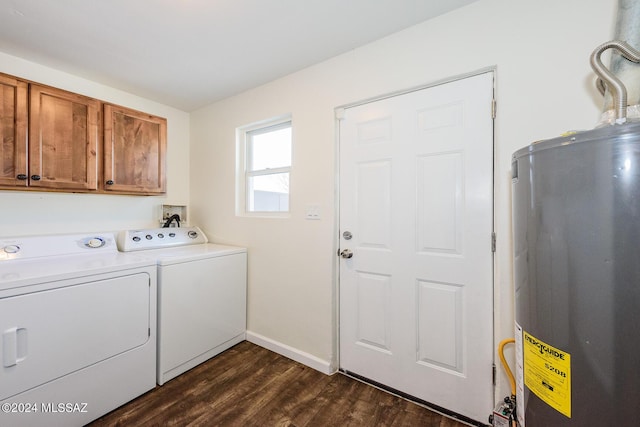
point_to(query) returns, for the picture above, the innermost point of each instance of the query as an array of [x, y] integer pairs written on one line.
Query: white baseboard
[[307, 359]]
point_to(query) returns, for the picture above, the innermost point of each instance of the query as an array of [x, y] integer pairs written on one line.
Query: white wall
[[544, 87], [29, 213]]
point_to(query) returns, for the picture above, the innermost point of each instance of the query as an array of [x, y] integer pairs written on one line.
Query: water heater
[[576, 222]]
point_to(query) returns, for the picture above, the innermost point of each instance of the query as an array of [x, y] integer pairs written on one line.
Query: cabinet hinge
[[493, 242], [493, 373], [494, 107]]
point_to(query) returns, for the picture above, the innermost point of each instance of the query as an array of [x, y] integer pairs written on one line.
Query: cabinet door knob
[[35, 177], [109, 182], [21, 177]]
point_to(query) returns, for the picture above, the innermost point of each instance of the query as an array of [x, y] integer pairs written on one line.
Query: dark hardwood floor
[[250, 386]]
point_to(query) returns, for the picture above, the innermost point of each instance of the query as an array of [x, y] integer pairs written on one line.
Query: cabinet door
[[13, 132], [63, 139], [134, 151]]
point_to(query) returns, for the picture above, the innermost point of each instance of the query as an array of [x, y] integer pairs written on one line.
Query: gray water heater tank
[[576, 223]]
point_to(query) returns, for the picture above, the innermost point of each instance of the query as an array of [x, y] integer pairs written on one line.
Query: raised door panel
[[64, 134], [13, 132], [135, 151]]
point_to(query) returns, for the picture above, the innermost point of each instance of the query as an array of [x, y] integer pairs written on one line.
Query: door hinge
[[494, 107], [493, 373], [493, 242]]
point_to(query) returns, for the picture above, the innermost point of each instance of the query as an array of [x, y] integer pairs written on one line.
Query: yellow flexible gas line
[[512, 380]]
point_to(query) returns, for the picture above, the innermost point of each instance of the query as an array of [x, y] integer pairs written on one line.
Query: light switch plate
[[312, 212]]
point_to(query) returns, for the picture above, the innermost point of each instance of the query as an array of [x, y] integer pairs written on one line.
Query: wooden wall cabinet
[[52, 140], [134, 151], [64, 138], [13, 132]]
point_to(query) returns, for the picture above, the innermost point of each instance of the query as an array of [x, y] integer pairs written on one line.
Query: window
[[265, 150]]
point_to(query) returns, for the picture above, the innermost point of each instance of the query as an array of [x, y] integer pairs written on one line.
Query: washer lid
[[193, 253]]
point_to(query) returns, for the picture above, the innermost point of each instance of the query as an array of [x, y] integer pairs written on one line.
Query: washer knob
[[95, 242]]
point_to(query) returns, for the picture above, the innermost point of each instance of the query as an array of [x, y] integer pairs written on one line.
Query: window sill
[[282, 215]]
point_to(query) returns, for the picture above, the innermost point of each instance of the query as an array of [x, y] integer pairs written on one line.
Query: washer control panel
[[157, 238]]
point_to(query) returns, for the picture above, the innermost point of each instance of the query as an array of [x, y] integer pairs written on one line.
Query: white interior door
[[416, 196]]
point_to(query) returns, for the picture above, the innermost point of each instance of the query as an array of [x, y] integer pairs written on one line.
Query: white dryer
[[202, 291], [77, 328]]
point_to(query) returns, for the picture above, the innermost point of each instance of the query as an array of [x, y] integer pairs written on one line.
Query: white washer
[[201, 295], [77, 328]]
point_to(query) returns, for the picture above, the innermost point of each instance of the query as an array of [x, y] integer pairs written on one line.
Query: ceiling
[[190, 53]]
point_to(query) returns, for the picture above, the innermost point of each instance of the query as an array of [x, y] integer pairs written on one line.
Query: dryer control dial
[[12, 249]]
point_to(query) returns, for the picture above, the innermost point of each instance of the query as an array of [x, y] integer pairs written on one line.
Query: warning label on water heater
[[547, 373]]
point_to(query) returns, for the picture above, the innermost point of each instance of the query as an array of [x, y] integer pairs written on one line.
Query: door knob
[[346, 253]]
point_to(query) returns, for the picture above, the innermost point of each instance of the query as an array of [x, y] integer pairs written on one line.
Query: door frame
[[339, 115]]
